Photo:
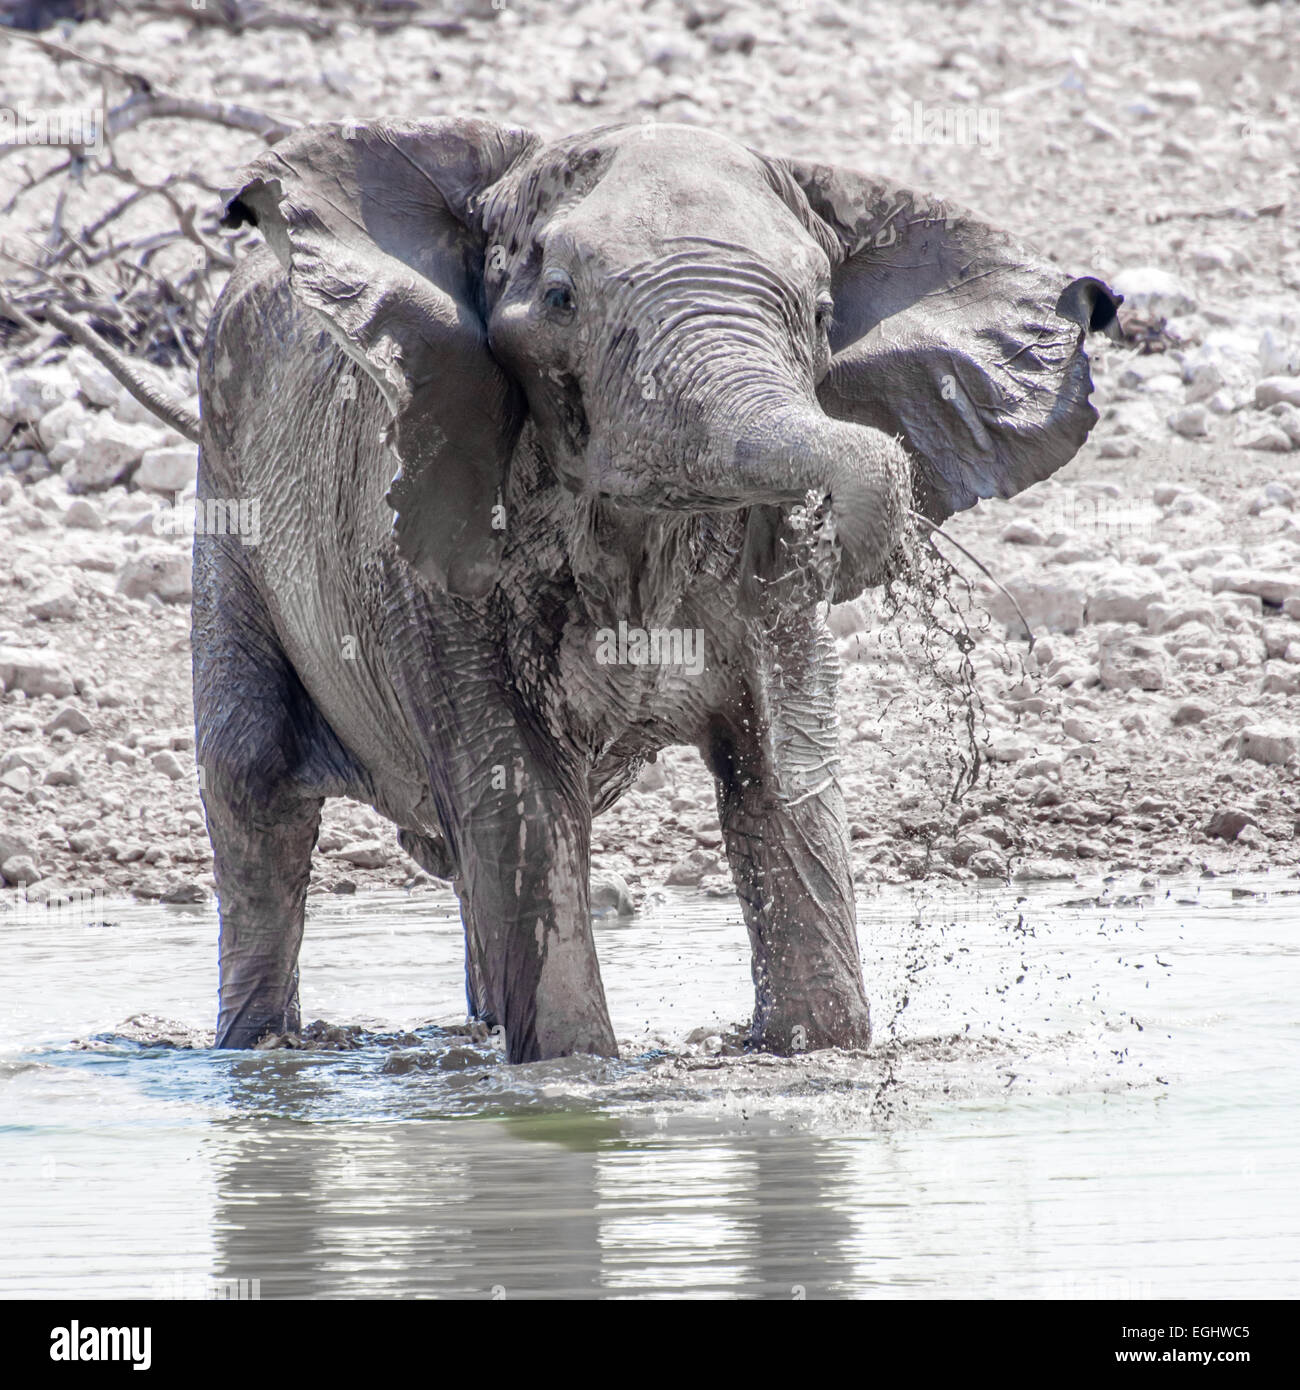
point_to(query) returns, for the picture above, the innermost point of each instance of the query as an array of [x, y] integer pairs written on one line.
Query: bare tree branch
[[149, 393]]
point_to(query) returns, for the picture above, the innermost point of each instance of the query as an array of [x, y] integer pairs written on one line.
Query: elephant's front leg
[[525, 856], [775, 758]]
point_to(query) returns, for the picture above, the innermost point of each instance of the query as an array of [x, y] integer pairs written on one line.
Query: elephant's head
[[689, 324]]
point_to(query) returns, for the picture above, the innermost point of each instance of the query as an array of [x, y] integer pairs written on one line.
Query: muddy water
[[1069, 1096]]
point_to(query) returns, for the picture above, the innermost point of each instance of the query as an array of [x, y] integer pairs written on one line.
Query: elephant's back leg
[[265, 763]]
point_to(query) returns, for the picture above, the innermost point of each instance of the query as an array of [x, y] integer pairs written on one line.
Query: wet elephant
[[557, 451]]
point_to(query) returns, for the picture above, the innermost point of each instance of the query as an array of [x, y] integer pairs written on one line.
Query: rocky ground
[[1154, 724]]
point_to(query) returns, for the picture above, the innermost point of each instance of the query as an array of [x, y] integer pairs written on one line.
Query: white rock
[[1125, 662], [99, 386], [365, 854], [1287, 417], [1166, 617], [1197, 635], [83, 515], [1184, 91], [1141, 369], [68, 419], [31, 756], [1267, 439], [1050, 604], [1023, 533], [1193, 504], [1274, 743], [1191, 422], [37, 390], [109, 454], [36, 671], [1271, 495], [1280, 678], [1205, 379], [67, 450], [168, 764], [63, 772], [1150, 290], [57, 599], [1277, 388], [1118, 447], [1009, 749], [1270, 586], [1042, 871], [69, 717], [162, 573], [1126, 599], [168, 470]]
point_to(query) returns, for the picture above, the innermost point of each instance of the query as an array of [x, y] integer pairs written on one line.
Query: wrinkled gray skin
[[610, 370]]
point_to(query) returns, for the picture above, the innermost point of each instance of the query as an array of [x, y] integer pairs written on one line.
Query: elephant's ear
[[376, 227], [954, 336]]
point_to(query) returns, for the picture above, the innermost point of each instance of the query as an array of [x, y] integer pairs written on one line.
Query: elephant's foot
[[245, 1024], [811, 1022], [586, 1037]]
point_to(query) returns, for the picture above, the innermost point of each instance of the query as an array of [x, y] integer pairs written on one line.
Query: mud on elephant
[[641, 381]]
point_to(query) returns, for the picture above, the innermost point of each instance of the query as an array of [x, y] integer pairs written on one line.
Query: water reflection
[[1117, 1120], [462, 1209]]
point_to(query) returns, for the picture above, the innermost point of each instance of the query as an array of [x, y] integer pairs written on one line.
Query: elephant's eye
[[825, 312], [557, 294]]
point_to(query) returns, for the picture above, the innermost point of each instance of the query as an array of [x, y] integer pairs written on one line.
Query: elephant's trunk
[[776, 453], [864, 473]]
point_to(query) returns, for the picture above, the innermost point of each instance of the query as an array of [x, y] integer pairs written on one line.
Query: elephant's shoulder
[[256, 305]]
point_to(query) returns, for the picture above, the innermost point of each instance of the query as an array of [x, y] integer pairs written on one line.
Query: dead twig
[[150, 395]]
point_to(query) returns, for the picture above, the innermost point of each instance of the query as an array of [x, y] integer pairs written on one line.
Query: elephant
[[560, 451]]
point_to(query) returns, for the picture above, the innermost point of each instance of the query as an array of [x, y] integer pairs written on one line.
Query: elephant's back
[[291, 424]]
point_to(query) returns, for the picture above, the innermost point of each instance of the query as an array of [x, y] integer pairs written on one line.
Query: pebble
[[109, 454], [35, 671], [58, 599], [1228, 824], [687, 872], [364, 854], [1152, 290], [1049, 604], [1273, 743], [69, 717], [1125, 662], [167, 763], [162, 574], [1126, 600], [99, 386], [1270, 586], [1191, 422], [84, 515], [1042, 871], [63, 772], [1268, 439], [1190, 712], [168, 470], [15, 844], [610, 895], [20, 870], [1024, 533], [987, 863], [183, 891], [1277, 388]]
